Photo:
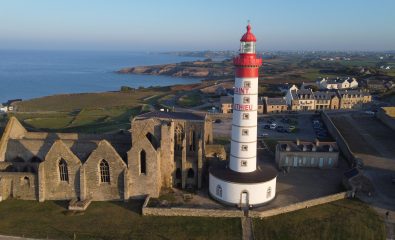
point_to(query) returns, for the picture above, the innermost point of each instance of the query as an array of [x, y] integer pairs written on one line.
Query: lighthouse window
[[218, 191], [246, 99], [247, 84], [244, 132], [269, 192], [244, 147], [246, 116], [244, 163]]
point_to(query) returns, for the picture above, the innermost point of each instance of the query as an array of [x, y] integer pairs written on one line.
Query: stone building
[[275, 105], [326, 100], [161, 150], [307, 154]]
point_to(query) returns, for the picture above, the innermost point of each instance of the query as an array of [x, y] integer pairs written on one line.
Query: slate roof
[[276, 101]]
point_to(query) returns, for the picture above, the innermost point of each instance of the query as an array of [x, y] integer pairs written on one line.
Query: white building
[[337, 83]]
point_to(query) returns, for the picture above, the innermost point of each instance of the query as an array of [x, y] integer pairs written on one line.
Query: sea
[[28, 74]]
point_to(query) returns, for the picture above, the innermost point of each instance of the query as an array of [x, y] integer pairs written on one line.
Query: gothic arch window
[[63, 171], [191, 173], [104, 171], [192, 140], [178, 173], [269, 192], [178, 136], [143, 162], [218, 191]]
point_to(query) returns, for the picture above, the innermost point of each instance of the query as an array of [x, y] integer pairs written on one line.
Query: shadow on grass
[[132, 205]]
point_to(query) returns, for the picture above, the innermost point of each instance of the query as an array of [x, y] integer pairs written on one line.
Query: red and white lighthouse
[[240, 181]]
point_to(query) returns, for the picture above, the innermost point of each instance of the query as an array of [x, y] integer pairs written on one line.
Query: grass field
[[107, 220], [344, 219], [72, 102], [97, 120], [192, 99]]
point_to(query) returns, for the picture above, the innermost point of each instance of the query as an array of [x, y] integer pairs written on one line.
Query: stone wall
[[299, 205], [384, 114], [18, 185], [201, 212], [13, 130], [340, 140], [190, 212]]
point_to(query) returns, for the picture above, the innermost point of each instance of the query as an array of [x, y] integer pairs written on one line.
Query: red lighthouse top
[[248, 36]]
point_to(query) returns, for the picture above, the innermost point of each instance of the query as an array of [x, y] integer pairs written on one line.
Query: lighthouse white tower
[[240, 181]]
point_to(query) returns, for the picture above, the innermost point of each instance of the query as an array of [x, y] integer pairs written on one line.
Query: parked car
[[273, 126], [266, 126], [264, 134], [291, 128]]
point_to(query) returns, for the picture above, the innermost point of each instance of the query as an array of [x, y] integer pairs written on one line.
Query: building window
[[247, 84], [26, 181], [143, 162], [104, 172], [244, 147], [246, 116], [191, 173], [243, 163], [218, 191], [64, 173], [244, 132], [269, 192], [246, 99]]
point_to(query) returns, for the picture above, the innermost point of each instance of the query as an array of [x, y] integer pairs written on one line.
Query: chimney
[[297, 142], [304, 148], [330, 148], [317, 142]]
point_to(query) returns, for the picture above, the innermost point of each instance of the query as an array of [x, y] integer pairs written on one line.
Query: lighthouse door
[[244, 200]]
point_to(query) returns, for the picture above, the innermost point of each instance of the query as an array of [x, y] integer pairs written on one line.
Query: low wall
[[299, 205], [341, 142], [386, 118], [190, 212], [199, 212]]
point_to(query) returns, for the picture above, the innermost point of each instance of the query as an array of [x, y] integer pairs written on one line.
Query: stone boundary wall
[[199, 212], [299, 205], [188, 212], [340, 140], [385, 118]]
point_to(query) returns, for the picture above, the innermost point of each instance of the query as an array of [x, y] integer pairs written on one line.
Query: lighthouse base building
[[241, 182], [242, 189]]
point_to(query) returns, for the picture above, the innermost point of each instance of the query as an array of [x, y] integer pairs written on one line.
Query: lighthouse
[[241, 181]]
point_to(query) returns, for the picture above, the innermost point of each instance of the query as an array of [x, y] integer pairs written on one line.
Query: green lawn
[[344, 219], [192, 99], [107, 220], [96, 120]]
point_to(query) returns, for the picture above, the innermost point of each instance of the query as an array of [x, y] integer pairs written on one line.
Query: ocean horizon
[[28, 74]]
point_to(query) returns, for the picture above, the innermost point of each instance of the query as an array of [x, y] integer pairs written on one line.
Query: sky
[[183, 25]]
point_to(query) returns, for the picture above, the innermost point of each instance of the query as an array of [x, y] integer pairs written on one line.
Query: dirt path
[[246, 225]]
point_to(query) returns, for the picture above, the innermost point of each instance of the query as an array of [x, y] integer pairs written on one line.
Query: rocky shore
[[195, 69]]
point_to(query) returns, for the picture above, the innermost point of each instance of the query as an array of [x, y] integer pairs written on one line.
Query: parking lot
[[278, 127]]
